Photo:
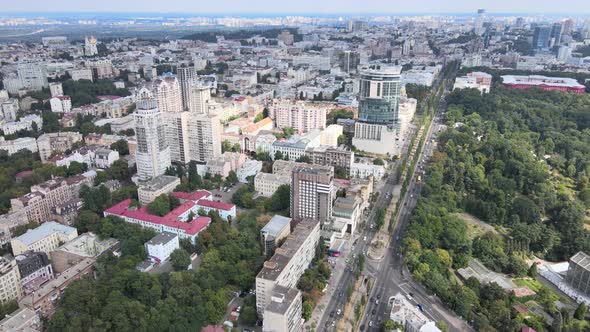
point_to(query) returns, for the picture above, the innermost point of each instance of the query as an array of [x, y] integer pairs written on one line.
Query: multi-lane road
[[391, 275]]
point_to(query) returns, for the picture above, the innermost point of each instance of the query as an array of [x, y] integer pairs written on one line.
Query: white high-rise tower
[[187, 75], [152, 154]]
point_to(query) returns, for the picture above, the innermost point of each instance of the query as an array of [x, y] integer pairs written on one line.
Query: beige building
[[87, 245], [288, 263], [56, 142], [10, 286], [283, 314], [329, 136], [267, 184], [204, 137], [331, 156], [312, 192], [148, 191], [23, 319], [44, 238]]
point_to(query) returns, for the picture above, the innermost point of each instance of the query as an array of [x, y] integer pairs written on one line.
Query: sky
[[298, 6]]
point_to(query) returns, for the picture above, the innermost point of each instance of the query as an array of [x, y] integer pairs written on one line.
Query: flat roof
[[286, 296], [162, 238], [275, 225], [43, 231], [158, 183]]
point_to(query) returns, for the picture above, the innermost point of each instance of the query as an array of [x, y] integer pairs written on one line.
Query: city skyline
[[374, 7]]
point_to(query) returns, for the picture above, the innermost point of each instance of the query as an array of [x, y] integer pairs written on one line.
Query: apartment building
[[56, 142], [148, 190], [299, 115], [27, 122], [44, 197], [153, 152], [45, 238], [227, 162], [331, 156], [283, 314], [204, 137], [267, 184], [34, 268], [10, 287], [288, 263]]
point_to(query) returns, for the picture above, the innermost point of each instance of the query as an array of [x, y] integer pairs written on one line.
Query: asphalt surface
[[391, 274]]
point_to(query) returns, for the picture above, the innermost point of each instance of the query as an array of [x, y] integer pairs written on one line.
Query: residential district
[[411, 173]]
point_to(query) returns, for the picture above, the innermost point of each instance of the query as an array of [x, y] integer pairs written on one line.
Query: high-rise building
[[90, 47], [199, 99], [153, 153], [299, 115], [167, 92], [541, 37], [556, 31], [568, 26], [32, 76], [187, 76], [377, 128], [312, 191], [479, 21], [204, 137]]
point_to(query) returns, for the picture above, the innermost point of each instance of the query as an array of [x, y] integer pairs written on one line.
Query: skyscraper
[[187, 75], [378, 123], [199, 99], [479, 21], [541, 37], [166, 90], [312, 191], [153, 153], [556, 31]]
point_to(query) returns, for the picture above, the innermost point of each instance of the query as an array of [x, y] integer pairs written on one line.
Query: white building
[[249, 168], [365, 170], [147, 191], [161, 246], [24, 123], [61, 104], [199, 99], [204, 137], [409, 316], [153, 153], [14, 146], [329, 136], [9, 109], [56, 89], [82, 74], [288, 263], [475, 80]]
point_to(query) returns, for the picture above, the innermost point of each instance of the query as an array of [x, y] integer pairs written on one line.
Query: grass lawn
[[533, 284]]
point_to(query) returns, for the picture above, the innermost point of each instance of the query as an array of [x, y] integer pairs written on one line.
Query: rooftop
[[581, 259], [88, 245], [158, 183], [281, 299], [170, 220], [538, 80], [195, 196], [275, 265], [162, 238], [275, 225], [215, 205], [43, 231]]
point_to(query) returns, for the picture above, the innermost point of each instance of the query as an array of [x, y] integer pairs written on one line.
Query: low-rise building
[[409, 316], [176, 221], [15, 145], [147, 191], [27, 122], [267, 184], [249, 168], [365, 170], [61, 104], [543, 82], [56, 142], [24, 319], [161, 246], [45, 238], [35, 269], [227, 162], [475, 80], [331, 156], [45, 298], [203, 200], [87, 245]]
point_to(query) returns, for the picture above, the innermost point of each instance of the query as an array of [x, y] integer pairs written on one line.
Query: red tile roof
[[197, 195], [170, 220], [213, 328], [215, 205]]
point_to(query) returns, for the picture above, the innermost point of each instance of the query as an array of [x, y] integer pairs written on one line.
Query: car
[[374, 311], [332, 313], [411, 294], [338, 312], [341, 293], [371, 324], [333, 323], [239, 309], [377, 301], [246, 330], [421, 307], [362, 328], [364, 238], [379, 295]]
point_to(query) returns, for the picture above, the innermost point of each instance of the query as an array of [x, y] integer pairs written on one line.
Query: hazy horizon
[[325, 7]]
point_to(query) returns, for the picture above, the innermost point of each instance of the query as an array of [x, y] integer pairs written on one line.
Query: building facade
[[312, 192], [153, 153]]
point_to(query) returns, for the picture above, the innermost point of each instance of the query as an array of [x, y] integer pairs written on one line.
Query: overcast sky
[[299, 6]]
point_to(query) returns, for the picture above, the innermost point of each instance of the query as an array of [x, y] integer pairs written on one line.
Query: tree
[[121, 146], [232, 178], [162, 205], [580, 312], [180, 259], [304, 159], [280, 199], [532, 272], [378, 161], [279, 155], [248, 316], [120, 170]]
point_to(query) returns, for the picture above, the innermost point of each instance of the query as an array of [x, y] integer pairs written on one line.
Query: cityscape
[[295, 166]]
